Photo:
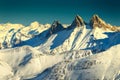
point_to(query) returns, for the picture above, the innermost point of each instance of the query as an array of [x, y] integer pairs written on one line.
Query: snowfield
[[78, 51]]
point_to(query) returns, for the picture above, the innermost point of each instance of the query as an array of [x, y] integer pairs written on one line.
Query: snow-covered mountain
[[79, 51]]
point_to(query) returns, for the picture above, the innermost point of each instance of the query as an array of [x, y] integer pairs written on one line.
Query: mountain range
[[78, 51]]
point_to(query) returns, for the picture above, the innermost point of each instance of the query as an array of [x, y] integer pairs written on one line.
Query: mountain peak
[[56, 27], [78, 22], [96, 21], [96, 16]]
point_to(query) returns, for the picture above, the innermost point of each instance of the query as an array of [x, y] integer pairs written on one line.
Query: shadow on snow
[[106, 43]]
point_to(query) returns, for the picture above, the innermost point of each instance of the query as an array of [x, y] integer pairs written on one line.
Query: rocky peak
[[96, 18], [96, 21], [56, 27], [78, 22]]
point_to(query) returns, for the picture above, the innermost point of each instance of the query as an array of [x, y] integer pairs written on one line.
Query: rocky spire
[[56, 27], [78, 22], [96, 21]]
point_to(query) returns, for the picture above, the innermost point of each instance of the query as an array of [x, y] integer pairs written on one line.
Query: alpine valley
[[76, 51]]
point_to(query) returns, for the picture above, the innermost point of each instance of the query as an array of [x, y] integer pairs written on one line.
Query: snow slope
[[104, 65], [25, 62], [12, 34]]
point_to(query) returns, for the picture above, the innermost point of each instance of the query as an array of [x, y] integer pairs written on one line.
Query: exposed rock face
[[78, 22], [96, 21], [56, 27]]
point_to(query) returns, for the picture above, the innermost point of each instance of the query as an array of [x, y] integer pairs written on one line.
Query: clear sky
[[46, 11]]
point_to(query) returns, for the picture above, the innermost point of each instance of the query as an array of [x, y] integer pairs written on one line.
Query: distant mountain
[[77, 51]]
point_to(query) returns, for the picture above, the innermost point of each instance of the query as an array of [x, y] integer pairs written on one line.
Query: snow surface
[[25, 62]]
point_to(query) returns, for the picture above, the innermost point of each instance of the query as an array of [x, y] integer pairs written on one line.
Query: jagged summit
[[96, 21], [78, 22], [56, 27], [96, 17]]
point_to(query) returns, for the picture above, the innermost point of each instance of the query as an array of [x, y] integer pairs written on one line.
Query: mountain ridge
[[35, 29]]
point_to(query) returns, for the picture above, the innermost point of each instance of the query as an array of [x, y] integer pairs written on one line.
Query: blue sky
[[46, 11]]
